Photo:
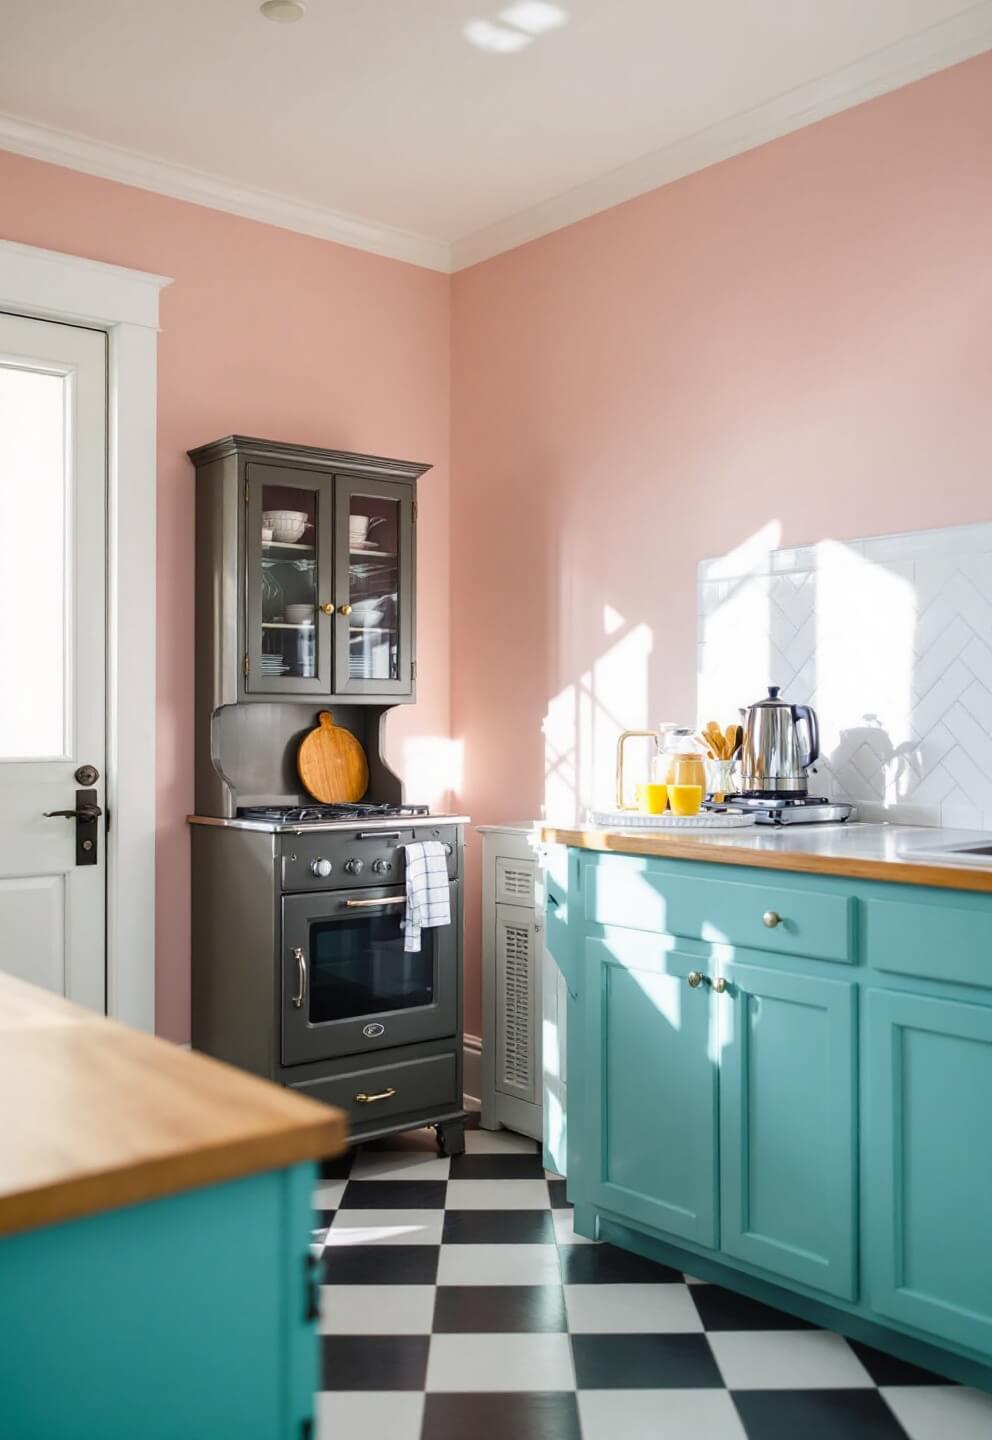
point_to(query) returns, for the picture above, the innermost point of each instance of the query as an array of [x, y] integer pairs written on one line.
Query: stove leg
[[451, 1137]]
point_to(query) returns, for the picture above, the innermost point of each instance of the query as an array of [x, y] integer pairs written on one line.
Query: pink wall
[[274, 334], [799, 335]]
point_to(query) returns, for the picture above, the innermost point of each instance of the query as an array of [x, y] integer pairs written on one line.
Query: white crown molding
[[942, 45], [110, 162]]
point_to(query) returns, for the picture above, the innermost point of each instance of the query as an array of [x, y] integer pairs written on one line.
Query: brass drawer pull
[[771, 918], [362, 1099], [695, 979], [719, 985], [367, 904]]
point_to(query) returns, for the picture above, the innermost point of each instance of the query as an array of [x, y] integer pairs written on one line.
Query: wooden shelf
[[287, 625], [297, 546]]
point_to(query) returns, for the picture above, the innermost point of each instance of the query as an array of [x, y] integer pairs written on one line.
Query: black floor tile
[[380, 1264], [374, 1362], [394, 1195], [498, 1309], [550, 1416], [423, 1142], [498, 1227], [816, 1415], [645, 1362], [556, 1189], [721, 1309], [496, 1167], [890, 1370], [339, 1168], [606, 1265]]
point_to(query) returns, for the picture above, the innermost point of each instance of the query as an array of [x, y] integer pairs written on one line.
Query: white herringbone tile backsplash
[[890, 639]]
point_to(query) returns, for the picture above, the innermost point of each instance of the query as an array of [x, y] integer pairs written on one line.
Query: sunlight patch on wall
[[432, 770]]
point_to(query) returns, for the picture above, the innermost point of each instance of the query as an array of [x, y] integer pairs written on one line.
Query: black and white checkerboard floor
[[458, 1304]]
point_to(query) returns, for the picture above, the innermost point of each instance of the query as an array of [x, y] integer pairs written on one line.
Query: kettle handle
[[805, 712]]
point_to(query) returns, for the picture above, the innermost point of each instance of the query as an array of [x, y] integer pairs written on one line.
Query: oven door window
[[358, 967]]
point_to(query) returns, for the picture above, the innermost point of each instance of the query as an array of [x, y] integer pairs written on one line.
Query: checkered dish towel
[[427, 898]]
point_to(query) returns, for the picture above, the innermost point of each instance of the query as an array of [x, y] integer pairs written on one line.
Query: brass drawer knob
[[695, 978], [719, 985], [327, 609], [344, 609], [771, 918]]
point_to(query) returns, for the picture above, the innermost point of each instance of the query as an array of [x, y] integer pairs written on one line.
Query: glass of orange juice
[[652, 798], [685, 799]]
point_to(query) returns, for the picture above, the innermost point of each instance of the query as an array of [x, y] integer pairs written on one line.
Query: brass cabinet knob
[[719, 985], [695, 978], [344, 609], [327, 609], [771, 918]]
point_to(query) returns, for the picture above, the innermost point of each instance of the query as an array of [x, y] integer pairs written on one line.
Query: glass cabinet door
[[289, 577], [374, 551]]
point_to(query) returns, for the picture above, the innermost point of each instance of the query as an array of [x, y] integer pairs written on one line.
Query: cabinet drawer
[[644, 895], [419, 1085], [933, 939]]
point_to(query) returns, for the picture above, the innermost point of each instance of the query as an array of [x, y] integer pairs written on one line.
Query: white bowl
[[288, 536], [299, 614], [287, 526]]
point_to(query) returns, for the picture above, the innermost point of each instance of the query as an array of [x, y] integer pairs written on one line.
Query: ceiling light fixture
[[284, 12]]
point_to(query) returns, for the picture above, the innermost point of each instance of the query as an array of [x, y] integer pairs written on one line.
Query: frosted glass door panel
[[34, 419]]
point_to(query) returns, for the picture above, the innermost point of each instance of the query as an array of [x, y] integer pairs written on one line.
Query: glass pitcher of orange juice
[[682, 758]]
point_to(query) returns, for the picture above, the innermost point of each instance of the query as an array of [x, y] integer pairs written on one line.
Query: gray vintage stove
[[299, 970]]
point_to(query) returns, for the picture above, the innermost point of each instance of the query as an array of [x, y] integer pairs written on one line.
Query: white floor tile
[[694, 1280], [565, 1230], [497, 1195], [498, 1142], [630, 1309], [658, 1415], [940, 1412], [327, 1195], [357, 1415], [399, 1165], [498, 1265], [787, 1360], [500, 1362], [376, 1310], [386, 1227]]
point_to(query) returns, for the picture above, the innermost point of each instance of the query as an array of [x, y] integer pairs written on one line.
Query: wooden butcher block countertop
[[857, 851], [95, 1115]]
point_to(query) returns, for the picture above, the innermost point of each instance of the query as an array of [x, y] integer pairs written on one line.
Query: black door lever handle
[[86, 814], [83, 814]]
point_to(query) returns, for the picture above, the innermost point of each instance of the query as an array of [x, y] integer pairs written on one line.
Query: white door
[[53, 558]]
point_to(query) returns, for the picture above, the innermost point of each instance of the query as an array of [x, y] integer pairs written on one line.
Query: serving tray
[[635, 820]]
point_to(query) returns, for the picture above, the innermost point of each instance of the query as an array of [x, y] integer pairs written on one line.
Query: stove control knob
[[354, 867], [321, 867], [381, 867]]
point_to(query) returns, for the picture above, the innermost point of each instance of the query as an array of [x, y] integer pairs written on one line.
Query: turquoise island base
[[780, 1076]]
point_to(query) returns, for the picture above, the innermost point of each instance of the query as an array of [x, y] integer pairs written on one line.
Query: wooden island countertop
[[95, 1115], [852, 849]]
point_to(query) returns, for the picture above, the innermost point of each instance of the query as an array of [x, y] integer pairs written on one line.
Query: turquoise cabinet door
[[928, 1165], [649, 1143], [788, 1130]]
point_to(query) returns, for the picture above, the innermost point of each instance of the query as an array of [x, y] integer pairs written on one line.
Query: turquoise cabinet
[[191, 1315], [649, 1034], [788, 1127], [783, 1082], [928, 1162]]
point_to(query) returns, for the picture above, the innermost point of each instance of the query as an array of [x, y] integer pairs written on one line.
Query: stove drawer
[[413, 1088]]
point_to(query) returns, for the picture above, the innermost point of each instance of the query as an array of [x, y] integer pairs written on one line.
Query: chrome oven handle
[[368, 904], [301, 970]]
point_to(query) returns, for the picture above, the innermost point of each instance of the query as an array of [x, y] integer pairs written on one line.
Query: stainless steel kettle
[[772, 761]]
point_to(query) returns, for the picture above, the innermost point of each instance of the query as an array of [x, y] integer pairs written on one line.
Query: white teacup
[[358, 527]]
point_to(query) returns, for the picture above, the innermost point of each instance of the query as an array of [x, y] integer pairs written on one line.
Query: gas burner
[[320, 814], [791, 809]]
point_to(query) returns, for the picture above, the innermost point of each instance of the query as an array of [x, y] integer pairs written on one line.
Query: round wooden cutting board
[[332, 764]]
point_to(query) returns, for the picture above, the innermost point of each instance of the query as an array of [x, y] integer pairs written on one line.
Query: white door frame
[[124, 303]]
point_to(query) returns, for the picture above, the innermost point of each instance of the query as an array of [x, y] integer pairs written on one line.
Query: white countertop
[[863, 851]]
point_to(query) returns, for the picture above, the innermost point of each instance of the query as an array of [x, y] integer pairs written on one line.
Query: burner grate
[[316, 813]]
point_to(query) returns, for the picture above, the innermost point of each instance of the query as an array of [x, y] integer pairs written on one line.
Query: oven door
[[349, 987]]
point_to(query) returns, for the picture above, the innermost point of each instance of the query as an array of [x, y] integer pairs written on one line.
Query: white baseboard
[[472, 1079]]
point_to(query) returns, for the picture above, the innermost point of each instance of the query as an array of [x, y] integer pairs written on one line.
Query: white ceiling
[[383, 122]]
